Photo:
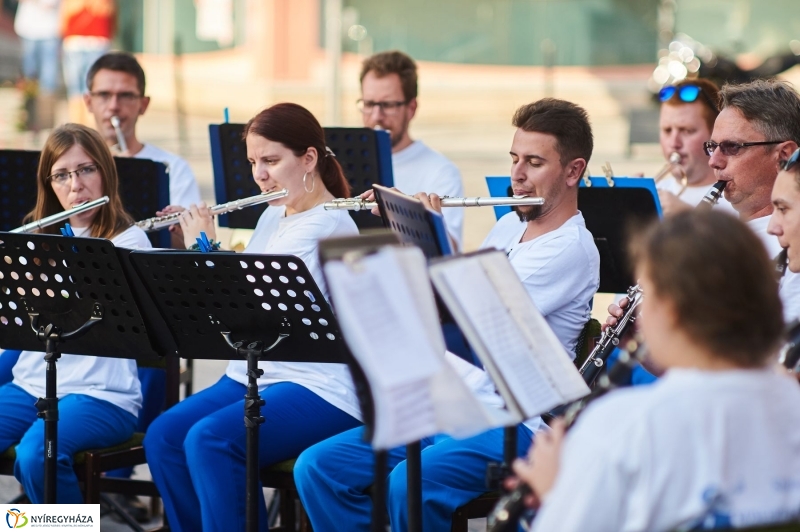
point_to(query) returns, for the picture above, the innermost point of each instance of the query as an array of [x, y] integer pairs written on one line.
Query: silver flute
[[357, 204], [61, 216], [121, 144], [160, 222]]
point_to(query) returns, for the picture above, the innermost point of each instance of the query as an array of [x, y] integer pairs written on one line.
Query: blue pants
[[154, 393], [40, 60], [332, 478], [7, 361], [196, 449], [84, 423]]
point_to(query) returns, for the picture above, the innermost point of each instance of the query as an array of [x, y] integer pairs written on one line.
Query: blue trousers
[[7, 361], [332, 478], [196, 449], [84, 423], [154, 393]]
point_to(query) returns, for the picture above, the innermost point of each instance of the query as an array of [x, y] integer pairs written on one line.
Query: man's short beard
[[531, 213]]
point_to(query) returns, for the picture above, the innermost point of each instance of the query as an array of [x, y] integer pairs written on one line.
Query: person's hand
[[671, 204], [193, 221], [431, 201], [540, 469], [175, 229], [511, 483], [615, 311]]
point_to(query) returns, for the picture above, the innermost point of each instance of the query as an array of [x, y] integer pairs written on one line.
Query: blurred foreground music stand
[[338, 249], [61, 288], [610, 206], [263, 307]]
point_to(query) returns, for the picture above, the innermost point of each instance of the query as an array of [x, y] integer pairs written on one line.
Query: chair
[[481, 506], [280, 476]]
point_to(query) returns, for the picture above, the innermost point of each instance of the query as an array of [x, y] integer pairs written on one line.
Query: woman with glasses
[[99, 397], [676, 455], [196, 449]]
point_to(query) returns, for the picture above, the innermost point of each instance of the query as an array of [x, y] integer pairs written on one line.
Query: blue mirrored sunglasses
[[789, 163], [686, 93]]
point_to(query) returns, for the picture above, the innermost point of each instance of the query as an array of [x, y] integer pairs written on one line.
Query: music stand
[[61, 288], [364, 154], [263, 307], [610, 206], [143, 187]]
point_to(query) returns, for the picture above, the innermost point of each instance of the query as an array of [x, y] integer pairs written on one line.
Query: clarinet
[[509, 509], [789, 356], [713, 195]]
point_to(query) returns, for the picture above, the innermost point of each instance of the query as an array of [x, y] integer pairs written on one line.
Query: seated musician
[[557, 261], [196, 450], [673, 455], [99, 398]]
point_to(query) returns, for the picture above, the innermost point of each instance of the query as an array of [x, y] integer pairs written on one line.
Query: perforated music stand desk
[[365, 156], [70, 291], [610, 209], [143, 187], [232, 306]]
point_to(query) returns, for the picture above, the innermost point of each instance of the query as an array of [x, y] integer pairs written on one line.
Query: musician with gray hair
[[555, 257]]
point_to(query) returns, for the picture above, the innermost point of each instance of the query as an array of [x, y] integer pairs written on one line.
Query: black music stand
[[143, 187], [365, 156], [61, 288], [262, 307]]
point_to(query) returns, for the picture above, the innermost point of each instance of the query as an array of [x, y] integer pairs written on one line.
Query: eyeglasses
[[728, 147], [387, 108], [61, 178], [125, 98], [686, 93], [789, 163]]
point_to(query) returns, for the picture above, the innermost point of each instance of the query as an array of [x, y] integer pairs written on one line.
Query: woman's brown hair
[[296, 128], [716, 273], [111, 219]]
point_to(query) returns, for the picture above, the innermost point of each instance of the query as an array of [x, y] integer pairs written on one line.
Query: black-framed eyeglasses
[[728, 147], [61, 178], [685, 93], [789, 163], [388, 108], [124, 98]]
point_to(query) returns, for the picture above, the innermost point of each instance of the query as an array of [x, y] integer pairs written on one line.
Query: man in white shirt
[[556, 259], [116, 85], [389, 101], [688, 111]]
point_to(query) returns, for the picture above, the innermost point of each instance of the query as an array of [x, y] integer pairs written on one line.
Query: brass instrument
[[673, 164], [61, 216], [357, 204], [122, 146], [159, 222]]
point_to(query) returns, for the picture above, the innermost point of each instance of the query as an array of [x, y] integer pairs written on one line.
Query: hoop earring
[[313, 183]]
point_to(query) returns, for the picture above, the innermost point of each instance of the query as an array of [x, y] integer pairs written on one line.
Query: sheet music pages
[[387, 314], [532, 370]]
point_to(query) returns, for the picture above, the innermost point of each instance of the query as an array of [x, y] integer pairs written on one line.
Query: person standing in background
[[36, 23], [87, 26]]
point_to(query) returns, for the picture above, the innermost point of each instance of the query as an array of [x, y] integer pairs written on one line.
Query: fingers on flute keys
[[194, 220]]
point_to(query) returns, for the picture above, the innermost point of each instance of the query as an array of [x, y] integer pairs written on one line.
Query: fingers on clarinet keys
[[615, 311]]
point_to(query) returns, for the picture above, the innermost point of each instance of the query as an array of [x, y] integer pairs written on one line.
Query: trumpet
[[122, 146], [674, 163], [160, 222], [357, 204], [61, 216]]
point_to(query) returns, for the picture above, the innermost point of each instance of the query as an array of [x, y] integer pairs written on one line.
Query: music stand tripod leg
[[379, 492], [414, 486]]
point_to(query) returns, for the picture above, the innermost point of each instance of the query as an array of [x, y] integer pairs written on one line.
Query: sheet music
[[387, 314], [521, 352]]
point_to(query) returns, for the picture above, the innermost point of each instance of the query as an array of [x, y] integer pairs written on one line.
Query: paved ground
[[477, 150]]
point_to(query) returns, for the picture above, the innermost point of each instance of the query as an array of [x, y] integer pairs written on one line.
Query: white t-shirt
[[696, 447], [418, 168], [790, 282], [183, 188], [299, 235], [110, 379], [693, 195], [38, 19], [560, 271]]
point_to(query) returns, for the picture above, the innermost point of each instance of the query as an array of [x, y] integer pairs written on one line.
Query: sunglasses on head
[[686, 93], [789, 163]]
